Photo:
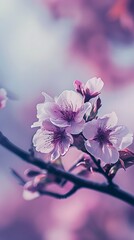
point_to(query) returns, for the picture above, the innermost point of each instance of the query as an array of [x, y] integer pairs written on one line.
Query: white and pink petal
[[43, 141], [120, 137], [110, 120], [94, 148], [109, 154], [82, 111], [94, 85], [90, 129], [70, 101], [76, 128]]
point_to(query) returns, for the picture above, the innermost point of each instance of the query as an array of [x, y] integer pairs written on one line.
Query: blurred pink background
[[45, 45]]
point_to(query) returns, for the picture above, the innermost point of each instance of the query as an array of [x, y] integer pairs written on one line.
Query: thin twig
[[20, 180], [58, 195]]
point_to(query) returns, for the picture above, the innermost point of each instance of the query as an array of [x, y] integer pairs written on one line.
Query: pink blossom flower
[[65, 111], [105, 138], [68, 111], [52, 140], [3, 98], [91, 89]]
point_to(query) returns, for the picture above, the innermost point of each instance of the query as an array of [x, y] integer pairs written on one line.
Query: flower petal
[[79, 86], [60, 122], [90, 129], [51, 110], [49, 126], [126, 141], [94, 148], [76, 128], [94, 85], [28, 195], [65, 144], [85, 107], [55, 114], [70, 100], [109, 154], [43, 141], [120, 137], [55, 154], [110, 120]]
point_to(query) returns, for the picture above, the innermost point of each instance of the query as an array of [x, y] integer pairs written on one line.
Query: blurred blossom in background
[[45, 45]]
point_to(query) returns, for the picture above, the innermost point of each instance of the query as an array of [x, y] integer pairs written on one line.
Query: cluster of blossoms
[[73, 114]]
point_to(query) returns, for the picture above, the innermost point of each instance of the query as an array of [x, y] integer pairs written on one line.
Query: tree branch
[[80, 182], [58, 195]]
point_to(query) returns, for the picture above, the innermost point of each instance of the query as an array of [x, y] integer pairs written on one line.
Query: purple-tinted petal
[[109, 154], [85, 107], [70, 101], [79, 86], [90, 129], [111, 120], [65, 144], [51, 110], [102, 123], [76, 128], [43, 141], [60, 122], [43, 113], [55, 154], [43, 110], [94, 148], [56, 115], [117, 134], [126, 141], [120, 137], [49, 126], [94, 86]]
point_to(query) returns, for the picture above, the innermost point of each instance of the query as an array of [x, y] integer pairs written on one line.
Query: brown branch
[[78, 181]]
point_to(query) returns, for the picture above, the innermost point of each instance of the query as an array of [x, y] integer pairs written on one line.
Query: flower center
[[58, 136], [68, 115], [102, 137]]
